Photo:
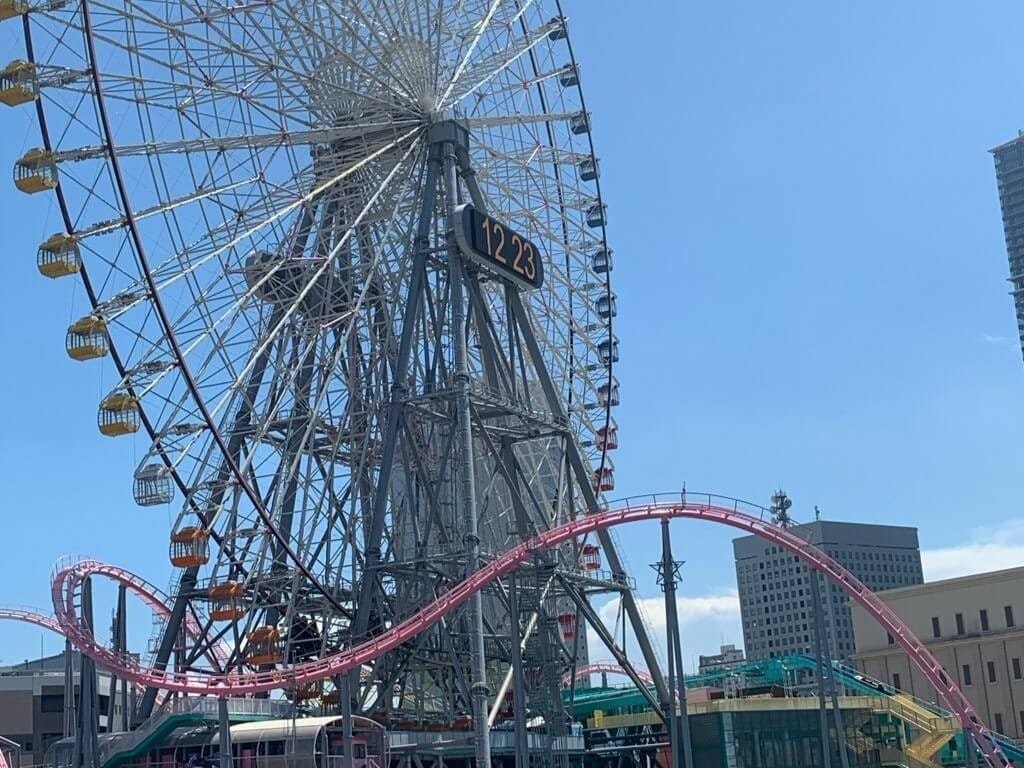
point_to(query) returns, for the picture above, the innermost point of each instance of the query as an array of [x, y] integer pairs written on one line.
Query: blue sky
[[811, 281]]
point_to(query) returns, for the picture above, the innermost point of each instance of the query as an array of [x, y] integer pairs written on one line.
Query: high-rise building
[[974, 626], [728, 657], [1009, 159], [776, 603]]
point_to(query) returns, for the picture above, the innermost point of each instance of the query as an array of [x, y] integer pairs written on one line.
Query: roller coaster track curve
[[151, 595], [68, 577]]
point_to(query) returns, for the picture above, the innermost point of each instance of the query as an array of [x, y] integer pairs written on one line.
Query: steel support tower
[[475, 455]]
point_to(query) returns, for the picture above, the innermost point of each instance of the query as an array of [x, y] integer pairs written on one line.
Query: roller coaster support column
[[120, 646], [70, 712], [678, 719], [345, 692], [522, 748], [819, 654], [122, 626], [86, 746], [467, 481], [970, 750], [832, 652], [224, 733]]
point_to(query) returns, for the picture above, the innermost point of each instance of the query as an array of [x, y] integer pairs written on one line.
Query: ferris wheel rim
[[110, 146]]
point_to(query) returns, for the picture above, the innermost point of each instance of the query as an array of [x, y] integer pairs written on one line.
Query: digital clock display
[[495, 246]]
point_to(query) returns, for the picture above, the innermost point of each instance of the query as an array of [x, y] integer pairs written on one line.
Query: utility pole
[[678, 719], [781, 504]]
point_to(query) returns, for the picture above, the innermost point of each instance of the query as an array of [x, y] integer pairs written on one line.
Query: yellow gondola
[[87, 338], [36, 171], [11, 8], [59, 256], [119, 414], [18, 83]]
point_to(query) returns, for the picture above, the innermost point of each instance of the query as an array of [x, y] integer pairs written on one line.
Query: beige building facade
[[974, 625]]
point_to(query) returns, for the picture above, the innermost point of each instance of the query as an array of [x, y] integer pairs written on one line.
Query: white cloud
[[705, 623], [995, 338], [991, 548]]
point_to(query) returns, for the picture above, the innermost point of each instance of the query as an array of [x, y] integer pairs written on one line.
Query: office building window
[[991, 666], [1016, 668], [983, 615], [51, 702], [896, 681], [1008, 612], [998, 717], [959, 623], [936, 630], [967, 675]]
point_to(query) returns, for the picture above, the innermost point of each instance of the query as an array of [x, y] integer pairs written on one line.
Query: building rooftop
[[1018, 139], [46, 665], [988, 577]]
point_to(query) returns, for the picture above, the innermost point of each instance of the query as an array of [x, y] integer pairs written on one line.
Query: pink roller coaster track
[[67, 580], [151, 595]]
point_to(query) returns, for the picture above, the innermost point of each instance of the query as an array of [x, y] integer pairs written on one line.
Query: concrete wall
[[966, 655]]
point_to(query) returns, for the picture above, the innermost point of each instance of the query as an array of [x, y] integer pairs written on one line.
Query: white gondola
[[153, 485], [597, 215], [580, 123], [558, 31], [606, 306], [601, 261], [609, 351], [589, 169], [569, 76], [608, 393]]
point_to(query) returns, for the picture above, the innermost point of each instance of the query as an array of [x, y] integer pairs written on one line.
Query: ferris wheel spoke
[[481, 28], [385, 19], [365, 70], [379, 132], [105, 227], [579, 235], [289, 311], [482, 73], [539, 118], [257, 61], [185, 268]]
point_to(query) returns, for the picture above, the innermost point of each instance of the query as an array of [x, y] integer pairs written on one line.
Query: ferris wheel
[[349, 263]]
